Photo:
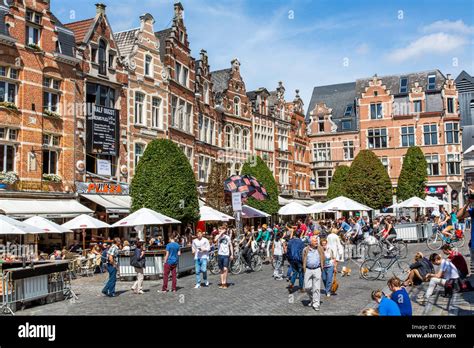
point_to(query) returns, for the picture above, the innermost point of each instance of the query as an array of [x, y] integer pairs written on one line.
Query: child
[[400, 296], [278, 257], [387, 307]]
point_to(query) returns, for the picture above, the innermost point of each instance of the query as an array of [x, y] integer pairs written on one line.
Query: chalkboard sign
[[103, 130]]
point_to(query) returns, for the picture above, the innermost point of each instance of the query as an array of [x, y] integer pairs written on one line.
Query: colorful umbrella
[[247, 185]]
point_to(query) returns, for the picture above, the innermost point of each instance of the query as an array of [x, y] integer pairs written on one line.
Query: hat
[[264, 226]]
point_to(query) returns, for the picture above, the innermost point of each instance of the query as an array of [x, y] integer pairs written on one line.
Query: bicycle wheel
[[400, 269], [374, 251], [256, 263], [213, 265], [236, 266], [458, 243], [402, 249], [434, 242], [370, 269]]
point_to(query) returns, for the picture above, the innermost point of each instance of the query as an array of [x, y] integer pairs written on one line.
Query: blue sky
[[307, 43]]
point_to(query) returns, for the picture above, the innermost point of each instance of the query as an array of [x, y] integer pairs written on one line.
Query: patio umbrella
[[12, 226], [435, 201], [316, 208], [294, 208], [45, 225], [210, 214], [342, 203], [84, 222], [247, 185], [145, 216], [415, 202], [249, 212]]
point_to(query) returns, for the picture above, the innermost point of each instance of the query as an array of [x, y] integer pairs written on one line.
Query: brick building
[[394, 113], [235, 111]]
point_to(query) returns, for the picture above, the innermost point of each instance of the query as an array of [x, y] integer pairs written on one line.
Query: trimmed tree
[[259, 169], [164, 181], [338, 182], [215, 195], [368, 182], [413, 176]]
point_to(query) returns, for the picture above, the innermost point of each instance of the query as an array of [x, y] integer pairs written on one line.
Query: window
[[100, 95], [93, 54], [237, 106], [433, 164], [174, 111], [8, 92], [111, 61], [322, 151], [204, 168], [430, 134], [245, 140], [50, 162], [237, 139], [156, 115], [408, 136], [385, 164], [376, 111], [139, 99], [348, 110], [50, 98], [283, 139], [453, 163], [206, 93], [189, 118], [377, 138], [59, 48], [148, 65], [51, 140], [346, 124], [348, 149], [102, 57], [33, 17], [228, 136], [417, 106], [403, 85], [139, 150], [320, 124], [7, 158], [33, 28], [452, 133], [450, 102], [284, 174], [323, 179], [182, 74], [431, 82]]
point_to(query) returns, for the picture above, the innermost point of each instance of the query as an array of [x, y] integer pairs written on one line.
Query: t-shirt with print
[[204, 245], [449, 270], [224, 245], [173, 249], [402, 299]]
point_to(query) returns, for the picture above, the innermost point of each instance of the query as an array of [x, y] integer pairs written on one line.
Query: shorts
[[223, 261]]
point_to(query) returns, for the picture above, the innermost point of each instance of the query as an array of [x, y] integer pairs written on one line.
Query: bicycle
[[438, 239], [373, 269], [212, 263], [374, 250]]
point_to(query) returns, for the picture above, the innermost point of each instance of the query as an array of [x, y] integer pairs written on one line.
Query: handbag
[[335, 284]]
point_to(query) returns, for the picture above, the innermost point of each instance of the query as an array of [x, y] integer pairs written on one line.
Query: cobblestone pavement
[[255, 293]]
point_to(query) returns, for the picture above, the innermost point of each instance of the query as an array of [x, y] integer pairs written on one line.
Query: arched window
[[237, 168], [237, 138], [102, 57], [245, 140], [237, 106], [228, 136]]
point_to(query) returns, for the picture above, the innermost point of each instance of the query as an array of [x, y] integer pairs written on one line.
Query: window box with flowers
[[34, 47], [54, 178], [8, 178], [8, 105], [51, 114]]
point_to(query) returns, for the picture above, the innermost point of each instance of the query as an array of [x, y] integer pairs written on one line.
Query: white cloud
[[448, 26], [437, 43]]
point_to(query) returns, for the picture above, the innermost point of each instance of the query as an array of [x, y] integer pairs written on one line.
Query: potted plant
[[52, 114], [52, 178], [7, 178], [8, 105], [35, 47]]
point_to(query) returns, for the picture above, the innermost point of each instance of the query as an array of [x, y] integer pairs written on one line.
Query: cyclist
[[246, 247], [344, 228], [388, 234]]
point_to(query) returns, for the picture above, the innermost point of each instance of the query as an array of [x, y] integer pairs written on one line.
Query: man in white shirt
[[446, 270], [200, 248]]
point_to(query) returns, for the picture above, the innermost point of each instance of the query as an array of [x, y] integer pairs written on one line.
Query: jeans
[[109, 288], [312, 284], [200, 266], [297, 272], [328, 275], [290, 271], [166, 274], [138, 285], [267, 248], [278, 272]]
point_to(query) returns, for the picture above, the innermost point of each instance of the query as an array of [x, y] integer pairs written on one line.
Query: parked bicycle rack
[[49, 280]]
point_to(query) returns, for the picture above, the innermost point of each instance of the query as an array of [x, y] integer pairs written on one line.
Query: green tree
[[215, 195], [413, 176], [368, 182], [338, 182], [259, 169], [164, 181]]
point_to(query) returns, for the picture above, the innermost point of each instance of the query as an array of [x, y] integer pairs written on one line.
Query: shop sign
[[434, 190], [104, 167], [102, 131], [103, 188]]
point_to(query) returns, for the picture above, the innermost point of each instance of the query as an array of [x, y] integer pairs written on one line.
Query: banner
[[103, 131]]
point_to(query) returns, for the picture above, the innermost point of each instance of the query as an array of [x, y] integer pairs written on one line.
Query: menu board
[[103, 131]]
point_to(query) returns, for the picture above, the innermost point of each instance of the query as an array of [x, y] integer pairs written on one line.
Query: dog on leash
[[346, 271]]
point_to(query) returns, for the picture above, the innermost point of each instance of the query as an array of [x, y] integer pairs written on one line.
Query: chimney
[[178, 11], [100, 8], [448, 76]]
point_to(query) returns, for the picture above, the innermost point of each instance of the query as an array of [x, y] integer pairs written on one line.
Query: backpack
[[295, 251]]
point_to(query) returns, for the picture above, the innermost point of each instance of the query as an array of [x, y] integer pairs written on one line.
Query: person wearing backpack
[[137, 260], [295, 257]]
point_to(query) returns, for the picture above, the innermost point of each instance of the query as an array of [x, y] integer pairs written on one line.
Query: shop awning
[[47, 208], [114, 204]]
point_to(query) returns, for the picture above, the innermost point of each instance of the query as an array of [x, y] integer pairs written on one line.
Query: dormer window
[[348, 111], [33, 28], [403, 85], [59, 49], [431, 82], [34, 17]]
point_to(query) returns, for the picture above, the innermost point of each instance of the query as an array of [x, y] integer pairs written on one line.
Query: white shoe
[[207, 283], [197, 286], [316, 308], [140, 292], [328, 295]]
